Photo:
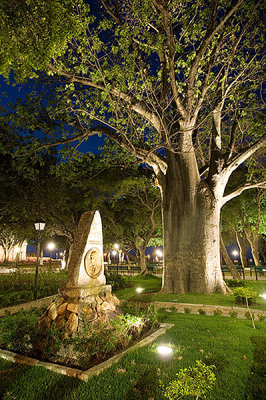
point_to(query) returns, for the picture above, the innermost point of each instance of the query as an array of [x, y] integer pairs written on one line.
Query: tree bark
[[142, 260], [243, 246], [253, 239], [191, 217], [228, 261]]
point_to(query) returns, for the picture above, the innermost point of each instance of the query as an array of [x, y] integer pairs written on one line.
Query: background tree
[[155, 75], [127, 198], [244, 220]]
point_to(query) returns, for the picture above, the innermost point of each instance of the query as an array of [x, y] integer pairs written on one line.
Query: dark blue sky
[[12, 92]]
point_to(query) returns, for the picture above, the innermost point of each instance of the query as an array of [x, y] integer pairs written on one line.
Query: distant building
[[16, 253]]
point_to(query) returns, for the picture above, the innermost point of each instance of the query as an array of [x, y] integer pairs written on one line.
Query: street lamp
[[159, 254], [116, 255], [51, 247], [39, 226]]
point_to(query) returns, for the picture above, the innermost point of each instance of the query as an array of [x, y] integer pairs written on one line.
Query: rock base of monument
[[77, 307]]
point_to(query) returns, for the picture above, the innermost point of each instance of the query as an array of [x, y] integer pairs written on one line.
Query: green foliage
[[256, 387], [217, 312], [224, 345], [232, 283], [233, 314], [33, 33], [18, 287], [245, 295], [16, 331], [193, 381], [107, 338], [187, 310], [201, 311], [149, 313], [117, 281]]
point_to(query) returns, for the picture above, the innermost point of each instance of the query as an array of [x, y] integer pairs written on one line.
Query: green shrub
[[17, 331], [150, 313], [217, 312], [117, 281], [187, 310], [18, 287], [245, 296], [235, 283], [233, 314], [103, 340], [193, 381], [261, 317], [201, 311]]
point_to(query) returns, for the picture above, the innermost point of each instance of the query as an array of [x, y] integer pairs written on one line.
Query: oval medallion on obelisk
[[93, 263]]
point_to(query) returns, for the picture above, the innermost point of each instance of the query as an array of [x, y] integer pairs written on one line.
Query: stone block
[[52, 313], [72, 324], [60, 322], [62, 308], [90, 315], [74, 308], [107, 306]]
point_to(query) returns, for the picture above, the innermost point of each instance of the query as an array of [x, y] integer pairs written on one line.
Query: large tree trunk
[[142, 260], [228, 260], [243, 247], [191, 230], [253, 239]]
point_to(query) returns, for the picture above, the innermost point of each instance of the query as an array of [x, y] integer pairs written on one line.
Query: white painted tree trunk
[[191, 217]]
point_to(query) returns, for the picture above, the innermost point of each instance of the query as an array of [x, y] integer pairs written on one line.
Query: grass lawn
[[18, 287], [232, 345], [152, 284], [220, 341]]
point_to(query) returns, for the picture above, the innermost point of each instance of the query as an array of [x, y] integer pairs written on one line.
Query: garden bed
[[22, 334], [95, 370]]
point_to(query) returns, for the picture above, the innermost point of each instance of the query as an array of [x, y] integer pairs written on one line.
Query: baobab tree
[[175, 84]]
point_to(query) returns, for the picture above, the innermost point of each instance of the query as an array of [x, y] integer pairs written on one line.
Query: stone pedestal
[[76, 308], [86, 298]]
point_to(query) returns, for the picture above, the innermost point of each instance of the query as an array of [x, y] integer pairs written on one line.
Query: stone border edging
[[209, 309], [27, 306], [74, 372]]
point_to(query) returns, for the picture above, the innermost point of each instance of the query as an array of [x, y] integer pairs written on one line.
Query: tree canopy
[[176, 85]]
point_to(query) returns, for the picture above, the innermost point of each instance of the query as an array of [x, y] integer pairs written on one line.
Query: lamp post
[[39, 226], [159, 254], [116, 255], [235, 254], [51, 247]]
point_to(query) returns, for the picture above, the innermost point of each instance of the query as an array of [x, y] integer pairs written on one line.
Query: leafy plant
[[16, 330], [245, 296], [193, 381], [233, 314], [187, 310], [235, 283], [201, 311], [117, 281]]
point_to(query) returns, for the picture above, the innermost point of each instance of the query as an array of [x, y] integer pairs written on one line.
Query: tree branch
[[244, 155], [241, 189], [139, 107]]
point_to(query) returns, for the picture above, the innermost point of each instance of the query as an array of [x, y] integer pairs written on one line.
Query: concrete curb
[[76, 373], [209, 309], [27, 306]]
